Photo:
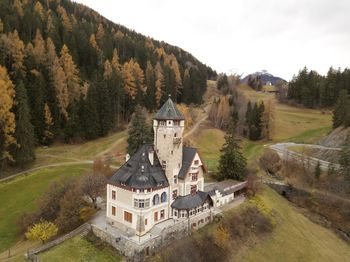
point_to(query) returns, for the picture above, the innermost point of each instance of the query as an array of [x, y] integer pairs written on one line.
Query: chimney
[[151, 156], [127, 157]]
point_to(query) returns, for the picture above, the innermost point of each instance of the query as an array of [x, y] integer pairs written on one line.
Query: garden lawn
[[21, 194], [79, 249]]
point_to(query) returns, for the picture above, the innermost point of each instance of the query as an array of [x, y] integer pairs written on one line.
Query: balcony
[[177, 140]]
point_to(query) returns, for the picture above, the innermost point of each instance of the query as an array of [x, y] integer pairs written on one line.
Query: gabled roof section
[[139, 173], [169, 111], [188, 154], [191, 201]]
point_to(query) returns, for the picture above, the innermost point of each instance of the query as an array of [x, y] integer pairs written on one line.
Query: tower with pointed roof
[[168, 125]]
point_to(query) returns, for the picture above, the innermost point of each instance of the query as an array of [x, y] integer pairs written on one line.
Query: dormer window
[[196, 162]]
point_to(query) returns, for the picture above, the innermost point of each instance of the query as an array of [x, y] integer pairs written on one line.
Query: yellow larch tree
[[48, 135], [15, 48], [93, 43], [18, 6], [138, 75], [107, 70], [72, 74], [115, 61], [174, 65], [39, 50], [7, 117], [159, 82], [100, 32], [61, 88], [129, 81], [149, 43], [38, 8], [65, 19]]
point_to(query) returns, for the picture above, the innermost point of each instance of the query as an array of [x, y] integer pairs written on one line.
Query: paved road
[[285, 153]]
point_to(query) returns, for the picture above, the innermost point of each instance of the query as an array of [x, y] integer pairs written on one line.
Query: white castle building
[[165, 181], [161, 181]]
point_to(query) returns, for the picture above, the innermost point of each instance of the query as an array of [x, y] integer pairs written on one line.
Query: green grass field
[[209, 141], [295, 237], [113, 144], [79, 249], [20, 195]]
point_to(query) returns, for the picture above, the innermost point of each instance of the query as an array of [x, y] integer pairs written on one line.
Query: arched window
[[156, 199], [163, 197]]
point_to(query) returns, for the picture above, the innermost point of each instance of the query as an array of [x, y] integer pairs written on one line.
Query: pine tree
[[151, 87], [318, 170], [139, 131], [7, 117], [23, 152], [232, 163], [340, 109], [344, 160]]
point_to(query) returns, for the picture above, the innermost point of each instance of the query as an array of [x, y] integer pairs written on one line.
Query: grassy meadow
[[295, 237], [20, 195]]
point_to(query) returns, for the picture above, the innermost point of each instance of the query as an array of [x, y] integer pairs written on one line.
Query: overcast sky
[[244, 36]]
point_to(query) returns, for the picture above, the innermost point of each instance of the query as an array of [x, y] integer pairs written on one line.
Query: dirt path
[[46, 166], [199, 122]]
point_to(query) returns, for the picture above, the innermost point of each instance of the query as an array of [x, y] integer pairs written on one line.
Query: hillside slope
[[82, 75]]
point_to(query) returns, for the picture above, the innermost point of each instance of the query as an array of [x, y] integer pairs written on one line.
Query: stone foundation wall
[[136, 251]]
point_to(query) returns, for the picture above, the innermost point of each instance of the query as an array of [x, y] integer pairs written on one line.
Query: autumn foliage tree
[[43, 230], [7, 117]]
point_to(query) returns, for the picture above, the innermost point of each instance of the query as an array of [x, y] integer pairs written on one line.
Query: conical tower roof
[[169, 111]]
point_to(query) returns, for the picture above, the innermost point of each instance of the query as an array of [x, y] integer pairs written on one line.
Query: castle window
[[175, 179], [155, 216], [163, 164], [141, 203], [169, 122], [176, 123], [172, 152], [164, 135], [113, 194], [162, 214], [175, 213], [175, 135], [127, 216], [193, 189], [145, 221], [113, 211], [162, 123], [163, 197], [174, 194], [156, 199], [196, 162], [194, 176]]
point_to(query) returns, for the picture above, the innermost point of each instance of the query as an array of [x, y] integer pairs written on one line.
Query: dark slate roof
[[190, 201], [169, 111], [138, 172], [225, 187], [188, 154]]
